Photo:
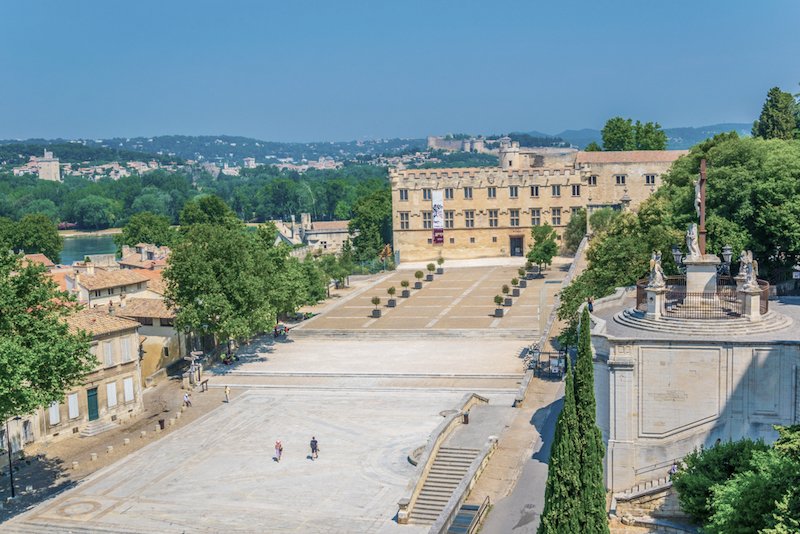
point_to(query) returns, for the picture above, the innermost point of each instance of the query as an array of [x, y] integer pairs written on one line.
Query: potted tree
[[440, 262], [522, 282], [418, 275], [376, 312], [391, 302], [529, 268], [405, 293], [505, 289], [498, 300], [431, 267], [515, 289]]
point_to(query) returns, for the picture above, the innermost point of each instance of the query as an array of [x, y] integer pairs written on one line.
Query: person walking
[[314, 448], [186, 400], [278, 450], [227, 393]]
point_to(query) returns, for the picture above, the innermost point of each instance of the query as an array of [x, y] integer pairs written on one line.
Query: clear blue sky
[[338, 70]]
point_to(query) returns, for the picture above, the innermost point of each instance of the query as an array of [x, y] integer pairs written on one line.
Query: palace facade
[[489, 211]]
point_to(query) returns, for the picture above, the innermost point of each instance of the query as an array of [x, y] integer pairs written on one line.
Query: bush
[[705, 468], [404, 284], [440, 261], [505, 289], [514, 281], [521, 272], [391, 291], [498, 300], [418, 275], [431, 267]]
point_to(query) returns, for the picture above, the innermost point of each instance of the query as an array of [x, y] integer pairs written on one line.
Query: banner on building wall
[[437, 206]]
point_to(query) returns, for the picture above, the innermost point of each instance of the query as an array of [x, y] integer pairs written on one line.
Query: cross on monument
[[701, 241]]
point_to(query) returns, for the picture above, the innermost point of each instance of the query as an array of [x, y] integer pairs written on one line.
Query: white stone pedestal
[[655, 302], [701, 274], [752, 303]]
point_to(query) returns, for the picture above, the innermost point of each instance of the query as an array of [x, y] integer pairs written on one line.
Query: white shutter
[[55, 414], [126, 349], [128, 387], [72, 403], [109, 353], [111, 394]]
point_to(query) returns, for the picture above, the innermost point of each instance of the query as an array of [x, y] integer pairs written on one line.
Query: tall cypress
[[562, 505], [593, 517]]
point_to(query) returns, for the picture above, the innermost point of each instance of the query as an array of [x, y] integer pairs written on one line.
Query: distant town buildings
[[249, 163], [45, 167]]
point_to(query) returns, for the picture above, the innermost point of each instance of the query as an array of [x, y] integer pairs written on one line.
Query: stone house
[[144, 256], [97, 287]]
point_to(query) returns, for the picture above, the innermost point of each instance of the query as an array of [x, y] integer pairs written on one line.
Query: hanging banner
[[437, 202]]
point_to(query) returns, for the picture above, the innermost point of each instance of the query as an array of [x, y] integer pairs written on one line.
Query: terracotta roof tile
[[98, 323], [329, 226], [139, 307], [102, 279], [631, 156], [38, 258], [156, 282]]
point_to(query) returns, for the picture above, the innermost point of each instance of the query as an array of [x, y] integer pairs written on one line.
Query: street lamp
[[677, 255], [10, 467], [727, 254]]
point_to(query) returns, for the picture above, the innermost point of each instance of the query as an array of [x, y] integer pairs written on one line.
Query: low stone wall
[[435, 440]]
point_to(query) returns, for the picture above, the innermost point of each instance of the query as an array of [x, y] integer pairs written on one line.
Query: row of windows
[[113, 290], [73, 407], [126, 349], [513, 190], [471, 240], [469, 218]]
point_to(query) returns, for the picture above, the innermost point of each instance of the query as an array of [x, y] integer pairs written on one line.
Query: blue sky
[[300, 70]]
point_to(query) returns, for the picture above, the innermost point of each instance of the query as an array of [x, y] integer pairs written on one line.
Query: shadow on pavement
[[544, 420], [36, 479]]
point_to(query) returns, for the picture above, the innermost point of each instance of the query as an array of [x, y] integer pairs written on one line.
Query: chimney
[[77, 278], [90, 268], [144, 254]]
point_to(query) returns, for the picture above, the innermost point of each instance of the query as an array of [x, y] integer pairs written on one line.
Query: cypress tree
[[592, 517], [562, 493], [777, 120]]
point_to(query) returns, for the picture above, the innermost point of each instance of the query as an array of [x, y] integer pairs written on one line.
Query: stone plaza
[[370, 390]]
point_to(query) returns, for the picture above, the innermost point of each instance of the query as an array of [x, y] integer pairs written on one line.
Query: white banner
[[437, 205]]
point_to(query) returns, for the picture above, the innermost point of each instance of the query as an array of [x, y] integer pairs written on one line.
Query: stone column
[[655, 302], [701, 274], [623, 413], [751, 299]]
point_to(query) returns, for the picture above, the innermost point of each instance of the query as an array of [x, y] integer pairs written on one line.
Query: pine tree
[[562, 505], [592, 518], [777, 120]]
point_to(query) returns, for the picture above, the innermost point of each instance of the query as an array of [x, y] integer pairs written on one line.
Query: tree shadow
[[544, 421], [36, 478]]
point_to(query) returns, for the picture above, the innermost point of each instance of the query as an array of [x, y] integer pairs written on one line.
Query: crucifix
[[700, 205]]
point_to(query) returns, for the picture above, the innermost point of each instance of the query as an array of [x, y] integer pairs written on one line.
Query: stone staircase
[[21, 526], [446, 473], [729, 326], [97, 427]]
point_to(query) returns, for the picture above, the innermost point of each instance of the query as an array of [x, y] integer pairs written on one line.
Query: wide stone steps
[[381, 333], [446, 473], [41, 527], [726, 327], [97, 427]]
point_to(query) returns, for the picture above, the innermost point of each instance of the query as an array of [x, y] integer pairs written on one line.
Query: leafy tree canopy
[[544, 245], [778, 119], [623, 134], [372, 222], [575, 231], [146, 227], [36, 233]]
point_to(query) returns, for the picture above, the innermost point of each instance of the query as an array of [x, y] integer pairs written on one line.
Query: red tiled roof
[[98, 323], [329, 226], [631, 156], [37, 258], [102, 279]]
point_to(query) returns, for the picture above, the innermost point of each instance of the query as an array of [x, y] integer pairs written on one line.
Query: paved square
[[218, 475]]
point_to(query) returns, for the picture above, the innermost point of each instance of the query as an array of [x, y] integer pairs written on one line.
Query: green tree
[[591, 451], [371, 224], [36, 233], [95, 212], [575, 231], [593, 147], [601, 220], [562, 504], [40, 358], [146, 227], [207, 209], [618, 134], [649, 136], [777, 119], [44, 206], [544, 245]]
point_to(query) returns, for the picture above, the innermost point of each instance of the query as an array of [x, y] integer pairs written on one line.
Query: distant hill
[[17, 153], [678, 138]]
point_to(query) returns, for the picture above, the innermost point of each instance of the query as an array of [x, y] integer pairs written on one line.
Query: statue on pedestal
[[657, 280], [750, 267], [692, 243]]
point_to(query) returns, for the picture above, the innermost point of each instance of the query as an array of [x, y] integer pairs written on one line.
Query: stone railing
[[446, 517], [435, 440]]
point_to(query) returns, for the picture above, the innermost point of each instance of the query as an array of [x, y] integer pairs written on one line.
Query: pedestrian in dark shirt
[[314, 448], [590, 304]]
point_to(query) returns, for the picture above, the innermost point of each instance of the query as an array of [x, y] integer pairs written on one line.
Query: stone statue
[[750, 270], [742, 264], [656, 272], [692, 244]]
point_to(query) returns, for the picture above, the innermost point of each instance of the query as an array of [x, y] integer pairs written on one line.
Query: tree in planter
[[514, 281], [431, 268], [505, 289], [440, 262], [521, 273], [419, 275], [404, 285], [376, 301], [522, 276], [498, 300], [391, 291], [514, 287]]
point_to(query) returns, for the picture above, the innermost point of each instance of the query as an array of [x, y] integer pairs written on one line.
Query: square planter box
[[376, 313], [508, 301], [439, 271], [498, 312], [523, 284], [405, 293], [391, 303], [530, 275], [429, 278], [417, 285], [515, 292]]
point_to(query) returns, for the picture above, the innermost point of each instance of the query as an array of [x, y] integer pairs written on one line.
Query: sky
[[341, 70]]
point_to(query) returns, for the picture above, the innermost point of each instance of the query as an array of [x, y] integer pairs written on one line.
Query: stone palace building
[[489, 211]]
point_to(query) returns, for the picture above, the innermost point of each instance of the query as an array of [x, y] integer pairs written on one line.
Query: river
[[77, 248]]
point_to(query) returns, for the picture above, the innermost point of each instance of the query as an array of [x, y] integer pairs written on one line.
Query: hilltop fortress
[[461, 213]]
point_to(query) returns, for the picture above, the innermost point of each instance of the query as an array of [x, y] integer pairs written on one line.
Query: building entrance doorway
[[91, 401], [516, 246]]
